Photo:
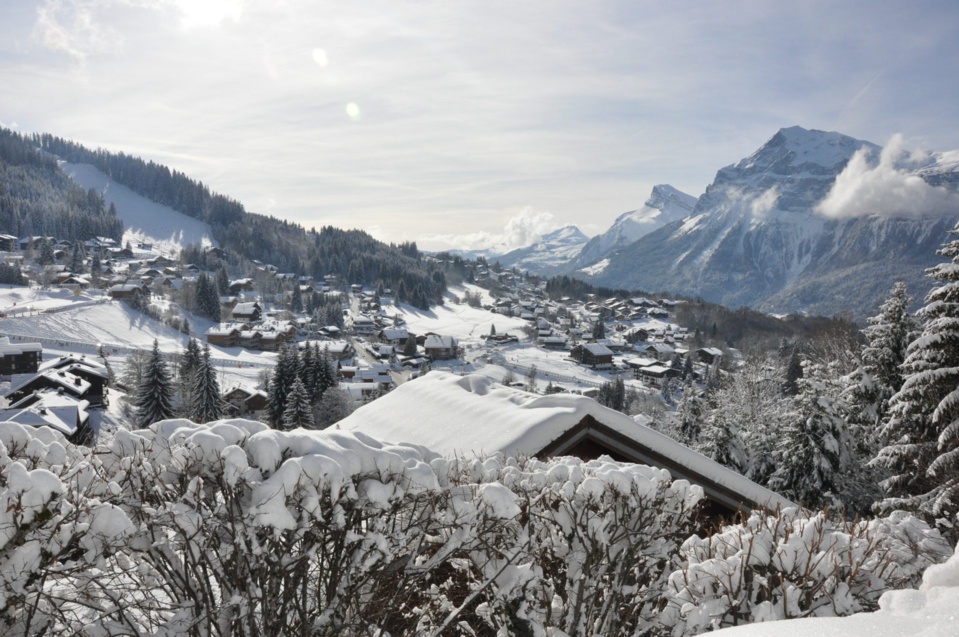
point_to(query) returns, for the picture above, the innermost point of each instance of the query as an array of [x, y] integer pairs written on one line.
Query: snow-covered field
[[65, 322], [143, 220]]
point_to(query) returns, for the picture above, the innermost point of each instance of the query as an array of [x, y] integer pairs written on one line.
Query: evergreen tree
[[880, 377], [531, 379], [814, 453], [46, 253], [190, 360], [222, 281], [287, 370], [922, 435], [296, 299], [76, 258], [298, 412], [154, 394], [409, 347], [690, 412], [720, 440], [599, 329], [207, 299], [206, 402]]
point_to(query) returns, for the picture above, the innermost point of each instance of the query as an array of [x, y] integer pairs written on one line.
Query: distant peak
[[798, 146]]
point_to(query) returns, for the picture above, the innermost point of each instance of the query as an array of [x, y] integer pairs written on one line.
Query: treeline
[[352, 255], [37, 198]]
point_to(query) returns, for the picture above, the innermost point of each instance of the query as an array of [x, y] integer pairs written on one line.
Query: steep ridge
[[755, 237]]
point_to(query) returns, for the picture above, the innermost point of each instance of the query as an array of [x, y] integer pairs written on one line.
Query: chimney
[[76, 381]]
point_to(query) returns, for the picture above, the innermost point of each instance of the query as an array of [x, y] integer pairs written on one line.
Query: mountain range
[[812, 222]]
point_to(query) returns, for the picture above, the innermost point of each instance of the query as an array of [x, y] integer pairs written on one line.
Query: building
[[474, 416], [595, 355], [439, 347], [19, 358]]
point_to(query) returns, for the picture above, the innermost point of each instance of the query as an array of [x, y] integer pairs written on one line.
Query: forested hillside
[[353, 255], [37, 198]]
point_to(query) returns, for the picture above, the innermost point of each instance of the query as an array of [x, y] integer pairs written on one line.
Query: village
[[503, 325]]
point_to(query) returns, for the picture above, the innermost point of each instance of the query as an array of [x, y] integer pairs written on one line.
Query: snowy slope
[[143, 220], [552, 250], [665, 205]]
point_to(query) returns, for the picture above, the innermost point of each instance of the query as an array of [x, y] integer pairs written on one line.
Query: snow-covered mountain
[[553, 249], [758, 235], [143, 220], [665, 205]]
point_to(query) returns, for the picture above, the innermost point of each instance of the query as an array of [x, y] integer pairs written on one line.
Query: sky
[[459, 124]]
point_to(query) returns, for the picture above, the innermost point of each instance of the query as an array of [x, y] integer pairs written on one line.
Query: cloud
[[761, 205], [888, 188], [519, 231], [73, 27]]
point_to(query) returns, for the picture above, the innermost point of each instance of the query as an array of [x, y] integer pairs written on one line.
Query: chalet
[[248, 312], [58, 412], [8, 243], [394, 335], [213, 251], [19, 358], [659, 351], [250, 339], [364, 325], [656, 374], [439, 347], [595, 355], [245, 403], [57, 380], [89, 369], [473, 416], [129, 291], [553, 342], [272, 341], [223, 335], [241, 285], [708, 355], [376, 374]]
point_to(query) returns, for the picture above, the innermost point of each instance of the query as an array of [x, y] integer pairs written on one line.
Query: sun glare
[[353, 111], [319, 56]]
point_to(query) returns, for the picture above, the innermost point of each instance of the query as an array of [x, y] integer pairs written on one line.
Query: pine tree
[[206, 402], [690, 412], [814, 453], [287, 370], [154, 394], [922, 435], [599, 329], [880, 377], [222, 281], [298, 412], [46, 253], [190, 361], [719, 440], [296, 299], [76, 259]]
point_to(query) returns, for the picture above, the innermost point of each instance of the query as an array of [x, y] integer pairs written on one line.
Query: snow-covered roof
[[472, 415]]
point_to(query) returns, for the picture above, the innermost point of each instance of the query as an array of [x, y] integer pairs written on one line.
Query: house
[[363, 325], [247, 312], [272, 341], [242, 285], [394, 335], [223, 335], [708, 355], [245, 403], [595, 355], [8, 243], [89, 369], [659, 351], [129, 291], [474, 416], [58, 380], [19, 358], [56, 411], [439, 347]]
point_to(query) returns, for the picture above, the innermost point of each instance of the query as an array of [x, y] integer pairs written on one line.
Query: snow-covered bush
[[795, 564], [232, 528]]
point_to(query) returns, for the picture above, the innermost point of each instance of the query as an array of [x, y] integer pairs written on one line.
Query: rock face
[[755, 237], [665, 205], [553, 250]]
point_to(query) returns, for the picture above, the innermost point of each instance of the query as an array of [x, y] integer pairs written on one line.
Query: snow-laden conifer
[[815, 448], [298, 412], [154, 394], [922, 435], [207, 404]]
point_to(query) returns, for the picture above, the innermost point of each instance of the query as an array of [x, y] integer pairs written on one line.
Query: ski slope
[[143, 220]]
